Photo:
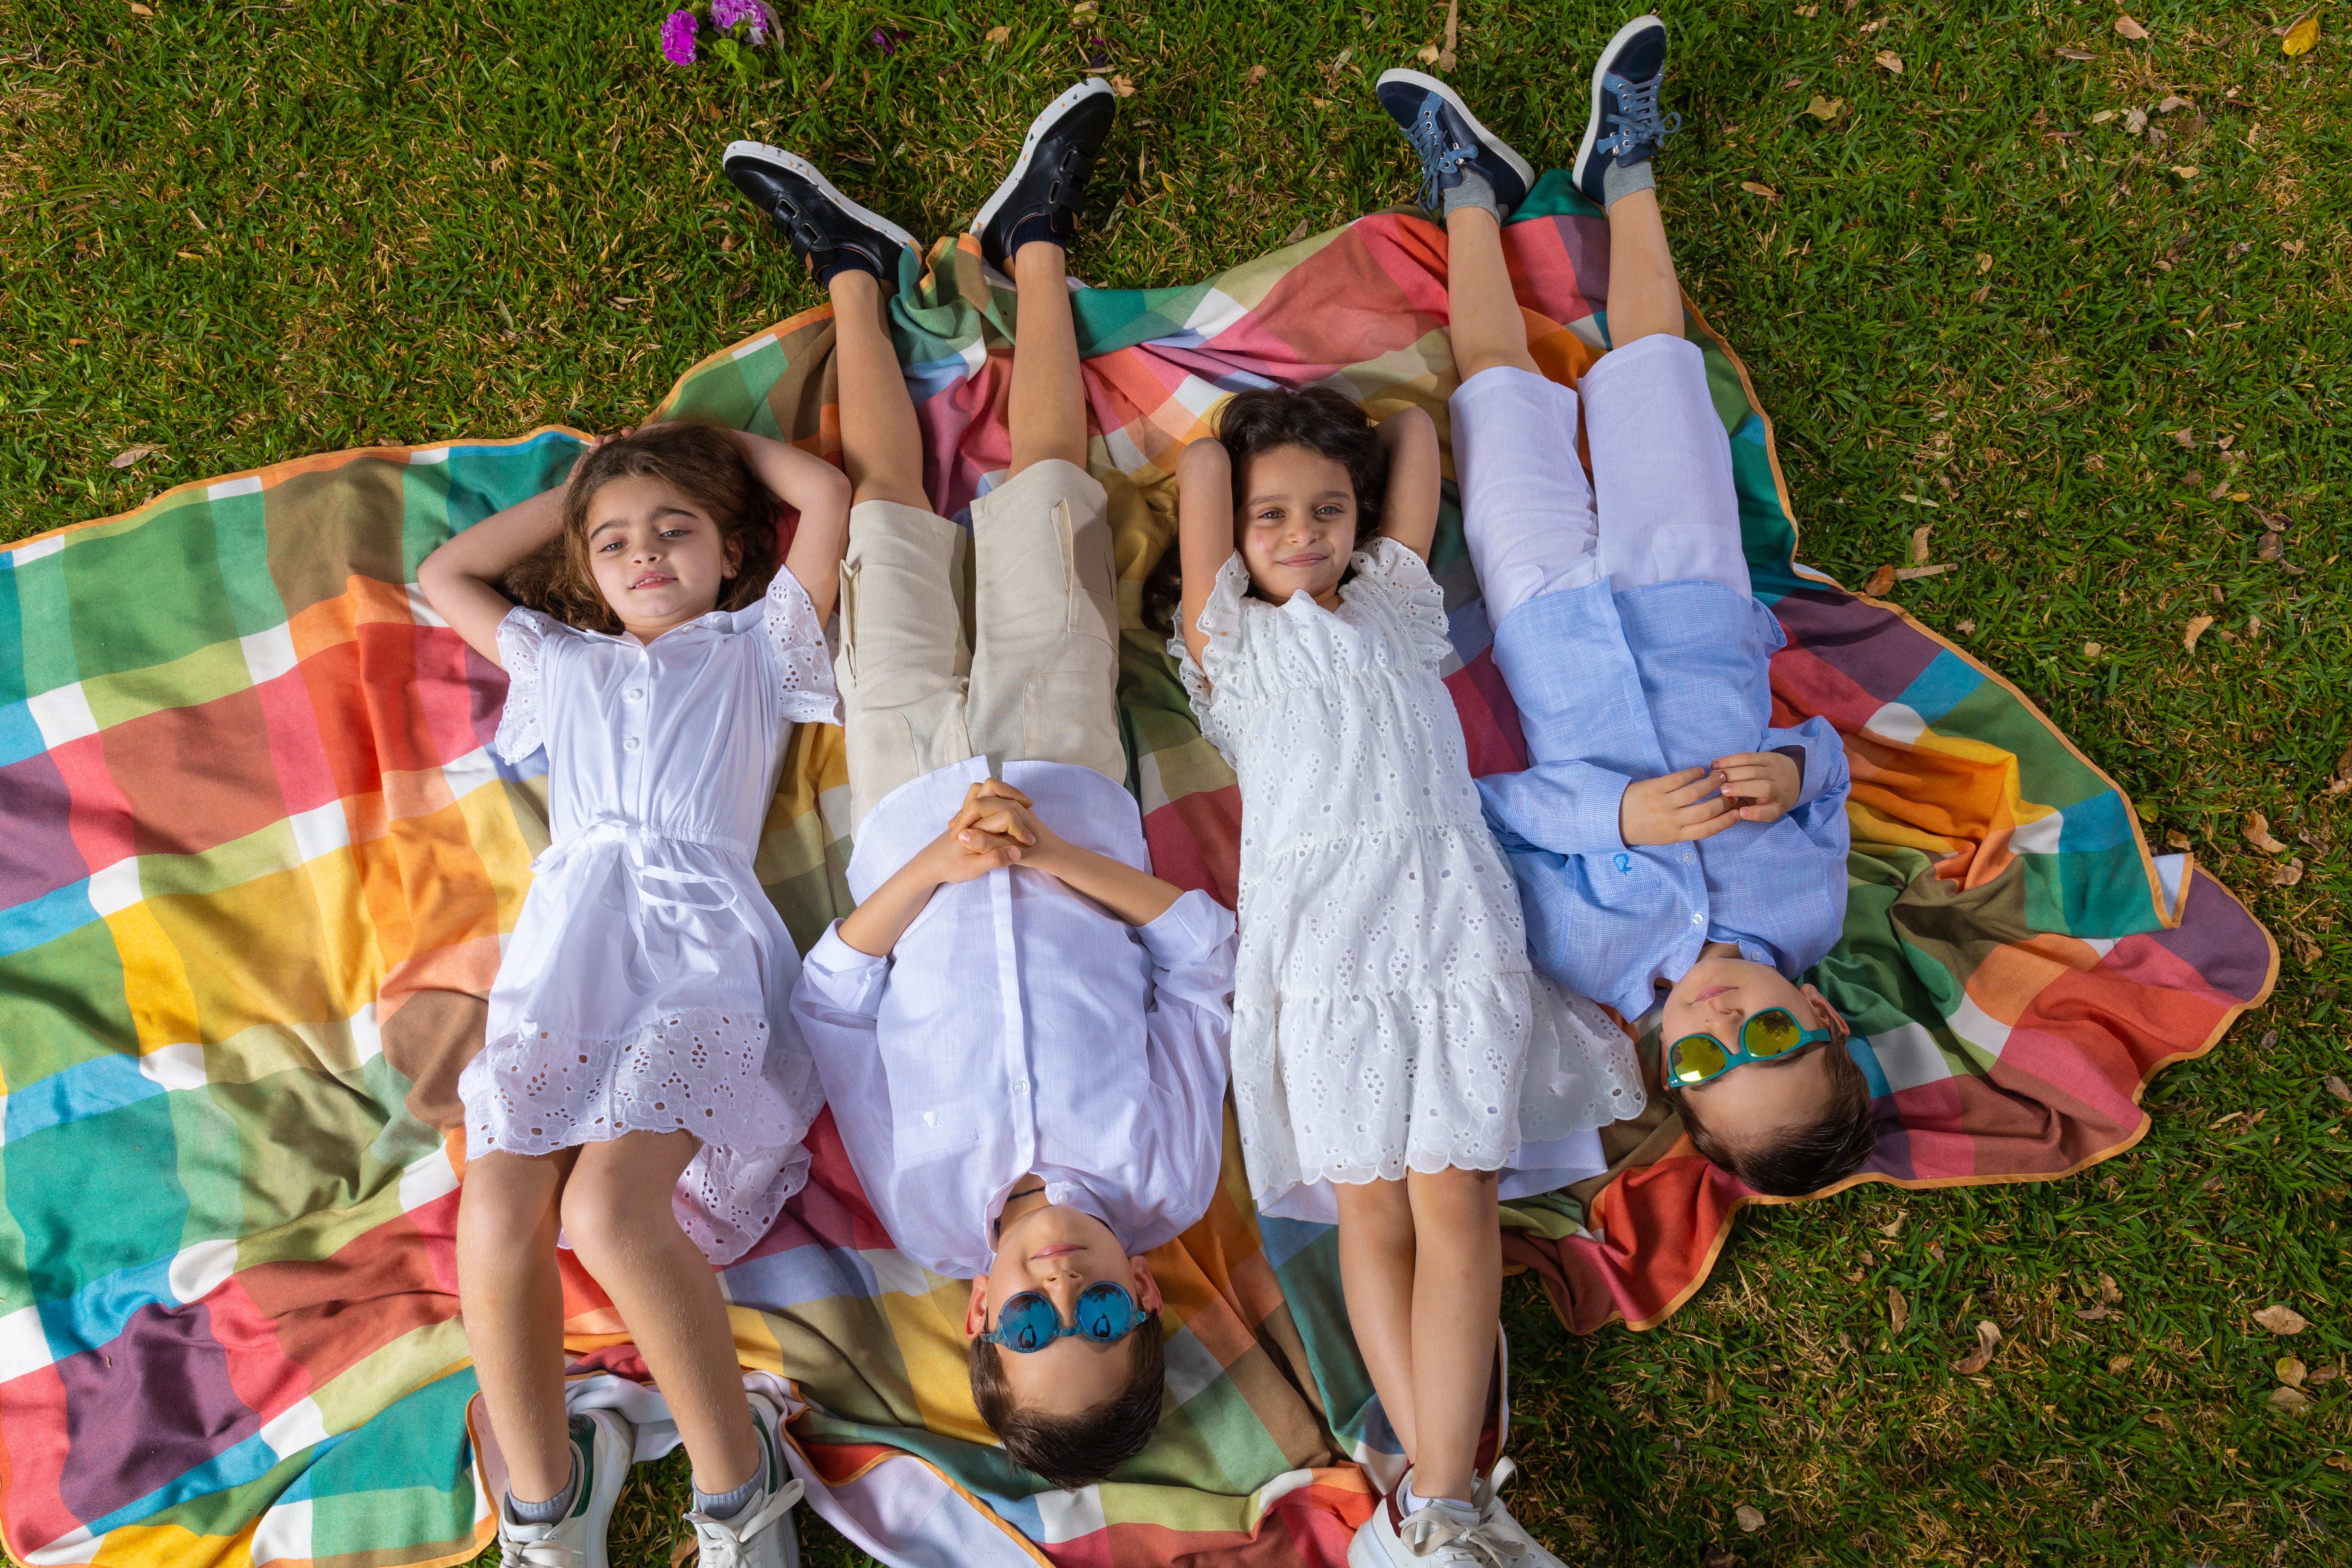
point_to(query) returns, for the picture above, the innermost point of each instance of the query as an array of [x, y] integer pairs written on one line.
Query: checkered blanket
[[256, 856]]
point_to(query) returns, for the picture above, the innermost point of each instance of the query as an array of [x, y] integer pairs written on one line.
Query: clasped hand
[[1699, 803], [994, 827]]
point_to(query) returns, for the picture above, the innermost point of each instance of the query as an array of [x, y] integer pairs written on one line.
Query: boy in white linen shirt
[[1020, 1030]]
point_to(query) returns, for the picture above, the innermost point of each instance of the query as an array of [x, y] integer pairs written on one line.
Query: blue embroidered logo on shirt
[[1625, 865]]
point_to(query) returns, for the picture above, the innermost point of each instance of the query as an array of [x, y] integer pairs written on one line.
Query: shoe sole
[[1491, 142], [1093, 87], [1593, 119], [612, 1462], [809, 172]]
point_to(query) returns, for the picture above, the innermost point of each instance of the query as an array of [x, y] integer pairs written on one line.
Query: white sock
[[1410, 1504]]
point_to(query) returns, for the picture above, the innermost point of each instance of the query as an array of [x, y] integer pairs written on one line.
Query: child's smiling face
[[1297, 524], [657, 558]]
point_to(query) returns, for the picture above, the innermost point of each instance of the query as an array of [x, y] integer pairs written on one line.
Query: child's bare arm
[[460, 580], [820, 493], [1409, 511], [1204, 530]]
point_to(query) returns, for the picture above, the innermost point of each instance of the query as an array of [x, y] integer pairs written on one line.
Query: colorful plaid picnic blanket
[[256, 857]]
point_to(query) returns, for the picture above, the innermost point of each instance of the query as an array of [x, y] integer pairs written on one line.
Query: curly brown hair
[[1260, 420], [702, 461], [1074, 1451]]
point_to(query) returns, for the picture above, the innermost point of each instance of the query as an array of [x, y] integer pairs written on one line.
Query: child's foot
[[825, 228], [1626, 128], [603, 1443], [1041, 198], [759, 1534], [1457, 154]]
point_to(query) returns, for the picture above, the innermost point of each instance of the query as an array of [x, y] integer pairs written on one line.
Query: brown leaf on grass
[[1716, 1394], [1753, 189], [2118, 1365], [2103, 116], [2185, 436], [998, 35], [2290, 1401], [2291, 1371], [1256, 75], [2300, 37], [1965, 627], [130, 455], [1750, 1519], [1912, 573], [2136, 121], [1295, 235], [2076, 55], [1122, 87], [2282, 1319], [1984, 262], [2286, 874], [1898, 1310], [1919, 542], [1977, 1360], [2095, 1314], [1808, 10], [1893, 1227], [1889, 61], [2337, 1087], [2306, 952], [2257, 831], [1875, 586], [139, 10], [1445, 56], [2128, 28], [1825, 108], [2187, 170], [2093, 650], [1716, 1557], [2176, 839], [2173, 104], [2109, 1291], [1980, 295], [1936, 1251], [2197, 625]]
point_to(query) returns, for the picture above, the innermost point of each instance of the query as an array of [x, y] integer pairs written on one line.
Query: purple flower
[[677, 37], [727, 14], [887, 39]]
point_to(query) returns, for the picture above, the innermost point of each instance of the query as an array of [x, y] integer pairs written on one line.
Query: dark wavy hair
[[1074, 1451], [706, 463], [1800, 1160], [1260, 420]]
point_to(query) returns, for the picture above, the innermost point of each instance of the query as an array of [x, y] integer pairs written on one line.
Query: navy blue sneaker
[[1626, 127], [825, 228], [1450, 140]]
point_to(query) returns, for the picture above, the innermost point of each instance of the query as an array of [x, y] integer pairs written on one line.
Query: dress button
[[1021, 1086], [631, 744], [635, 694]]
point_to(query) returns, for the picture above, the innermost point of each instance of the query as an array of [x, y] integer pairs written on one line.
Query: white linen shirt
[[1019, 1027]]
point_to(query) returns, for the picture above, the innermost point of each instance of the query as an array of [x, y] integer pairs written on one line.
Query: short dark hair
[[1074, 1451], [1263, 419], [1801, 1160]]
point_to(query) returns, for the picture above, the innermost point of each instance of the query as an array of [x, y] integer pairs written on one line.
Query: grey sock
[[554, 1509], [1472, 191], [1623, 179], [727, 1505]]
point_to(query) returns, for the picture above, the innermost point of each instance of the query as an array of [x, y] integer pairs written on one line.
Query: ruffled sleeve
[[798, 655], [522, 636], [1400, 580], [1221, 622]]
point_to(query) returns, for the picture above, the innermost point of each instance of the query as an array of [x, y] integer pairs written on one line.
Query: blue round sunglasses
[[1697, 1059], [1106, 1314]]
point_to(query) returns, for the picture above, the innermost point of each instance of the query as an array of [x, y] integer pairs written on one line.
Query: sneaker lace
[[1637, 126], [725, 1543], [1494, 1520], [1444, 1534], [544, 1553], [1439, 157]]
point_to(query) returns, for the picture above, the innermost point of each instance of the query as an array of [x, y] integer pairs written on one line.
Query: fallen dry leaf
[[2176, 839], [130, 455], [1976, 1361], [1889, 61], [2306, 952], [1919, 542], [2076, 55], [1892, 1229], [2136, 121], [2291, 1371], [1808, 10], [998, 35], [1295, 235], [139, 10], [2095, 1314], [1750, 1519], [1936, 1251], [2286, 874], [1876, 584], [2197, 625], [1984, 261], [1122, 87], [2118, 1365], [1445, 56], [2337, 1086], [2109, 1291], [2103, 116], [1965, 627], [2128, 28], [1825, 108], [1981, 295], [1753, 189], [2299, 39], [2327, 1373], [2282, 1319], [1256, 75], [2173, 103], [2257, 831], [1716, 1557], [2185, 436], [2290, 1401], [2093, 650], [2186, 171], [1912, 573], [1898, 1310]]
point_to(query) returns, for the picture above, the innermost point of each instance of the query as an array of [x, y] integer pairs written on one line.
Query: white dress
[[647, 983], [1385, 1014]]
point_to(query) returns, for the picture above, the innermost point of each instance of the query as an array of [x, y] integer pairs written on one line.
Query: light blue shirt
[[1613, 688]]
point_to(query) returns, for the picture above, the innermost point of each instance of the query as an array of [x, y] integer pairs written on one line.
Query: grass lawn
[[2086, 319]]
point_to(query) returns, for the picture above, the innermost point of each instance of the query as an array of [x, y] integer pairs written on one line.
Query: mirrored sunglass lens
[[1772, 1033], [1103, 1309], [1696, 1059], [1028, 1319]]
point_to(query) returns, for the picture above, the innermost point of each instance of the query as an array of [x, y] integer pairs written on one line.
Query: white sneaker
[[1495, 1521], [762, 1535], [603, 1443], [1447, 1535]]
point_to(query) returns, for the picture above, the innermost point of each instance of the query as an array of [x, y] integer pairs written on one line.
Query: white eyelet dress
[[645, 986], [1385, 1014]]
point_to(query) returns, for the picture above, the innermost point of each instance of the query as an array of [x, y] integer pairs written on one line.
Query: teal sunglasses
[[1774, 1033]]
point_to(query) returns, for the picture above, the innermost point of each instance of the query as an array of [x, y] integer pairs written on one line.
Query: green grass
[[281, 229]]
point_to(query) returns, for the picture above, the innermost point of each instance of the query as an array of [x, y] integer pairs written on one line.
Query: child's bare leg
[[1457, 1294], [1487, 325], [1048, 402], [1376, 1272], [512, 1300], [1645, 296], [881, 442], [616, 1215]]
